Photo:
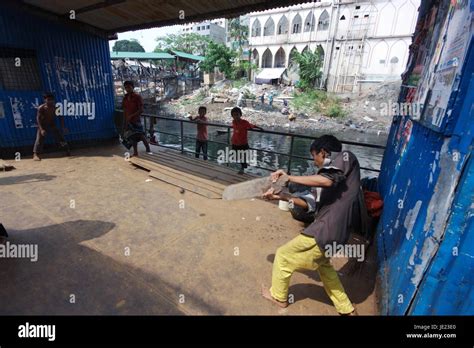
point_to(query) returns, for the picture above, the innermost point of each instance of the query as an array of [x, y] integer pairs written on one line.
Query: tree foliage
[[131, 45], [310, 64], [220, 56], [238, 33], [190, 43]]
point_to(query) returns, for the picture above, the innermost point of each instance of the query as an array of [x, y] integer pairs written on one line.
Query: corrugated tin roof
[[123, 15], [187, 55], [140, 55]]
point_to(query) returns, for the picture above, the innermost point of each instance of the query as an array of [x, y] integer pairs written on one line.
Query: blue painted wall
[[425, 235], [74, 65]]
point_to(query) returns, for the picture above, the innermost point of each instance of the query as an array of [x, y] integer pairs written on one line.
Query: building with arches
[[364, 42]]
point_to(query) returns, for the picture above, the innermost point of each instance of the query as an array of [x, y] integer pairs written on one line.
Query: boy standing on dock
[[239, 136], [201, 137]]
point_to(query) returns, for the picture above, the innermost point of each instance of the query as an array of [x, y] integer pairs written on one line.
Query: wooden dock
[[196, 175]]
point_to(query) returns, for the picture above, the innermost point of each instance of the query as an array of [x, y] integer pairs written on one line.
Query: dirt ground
[[111, 241]]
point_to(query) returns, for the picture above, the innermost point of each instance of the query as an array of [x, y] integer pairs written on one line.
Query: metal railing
[[290, 154]]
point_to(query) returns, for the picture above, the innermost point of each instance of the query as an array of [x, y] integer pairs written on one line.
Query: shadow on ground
[[67, 270], [26, 179]]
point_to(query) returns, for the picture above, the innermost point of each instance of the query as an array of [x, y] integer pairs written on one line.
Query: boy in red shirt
[[132, 106], [239, 136], [201, 138]]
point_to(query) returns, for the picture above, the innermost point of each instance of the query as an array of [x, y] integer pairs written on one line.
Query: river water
[[368, 157]]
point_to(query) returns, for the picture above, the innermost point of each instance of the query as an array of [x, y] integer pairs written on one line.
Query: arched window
[[296, 24], [280, 59], [293, 53], [309, 22], [255, 56], [267, 59], [320, 52], [282, 27], [269, 28], [256, 28], [323, 23]]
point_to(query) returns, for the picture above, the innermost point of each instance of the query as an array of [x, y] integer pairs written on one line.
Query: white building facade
[[364, 42], [214, 29]]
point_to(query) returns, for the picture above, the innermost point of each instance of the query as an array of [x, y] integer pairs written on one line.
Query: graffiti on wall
[[74, 78]]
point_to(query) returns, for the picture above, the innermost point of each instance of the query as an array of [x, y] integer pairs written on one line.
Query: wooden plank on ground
[[186, 168], [202, 177], [179, 158], [191, 180], [222, 175], [185, 185], [152, 166]]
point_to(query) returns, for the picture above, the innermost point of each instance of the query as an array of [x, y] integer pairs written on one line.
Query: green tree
[[238, 33], [131, 45], [220, 56], [190, 43], [310, 64]]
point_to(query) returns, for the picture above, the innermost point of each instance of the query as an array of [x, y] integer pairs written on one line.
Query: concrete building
[[214, 29], [364, 42]]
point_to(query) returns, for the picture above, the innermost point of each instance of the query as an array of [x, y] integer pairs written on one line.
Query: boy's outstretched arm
[[311, 180], [307, 180], [285, 197]]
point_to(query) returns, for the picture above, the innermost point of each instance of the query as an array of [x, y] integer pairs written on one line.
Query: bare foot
[[267, 294], [353, 313], [36, 157]]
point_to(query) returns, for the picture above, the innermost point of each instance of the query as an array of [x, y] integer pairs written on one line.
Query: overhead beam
[[75, 24], [227, 13], [98, 5]]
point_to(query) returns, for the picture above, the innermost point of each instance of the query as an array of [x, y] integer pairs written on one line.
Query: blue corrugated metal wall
[[74, 65], [447, 287], [425, 236]]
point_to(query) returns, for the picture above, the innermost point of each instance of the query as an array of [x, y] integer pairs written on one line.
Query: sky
[[147, 37]]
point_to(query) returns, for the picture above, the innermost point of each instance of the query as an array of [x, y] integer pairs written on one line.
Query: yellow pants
[[302, 253]]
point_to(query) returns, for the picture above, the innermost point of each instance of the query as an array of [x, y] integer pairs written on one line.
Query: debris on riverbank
[[285, 107]]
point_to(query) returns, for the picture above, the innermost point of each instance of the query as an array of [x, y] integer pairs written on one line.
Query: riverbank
[[361, 114]]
